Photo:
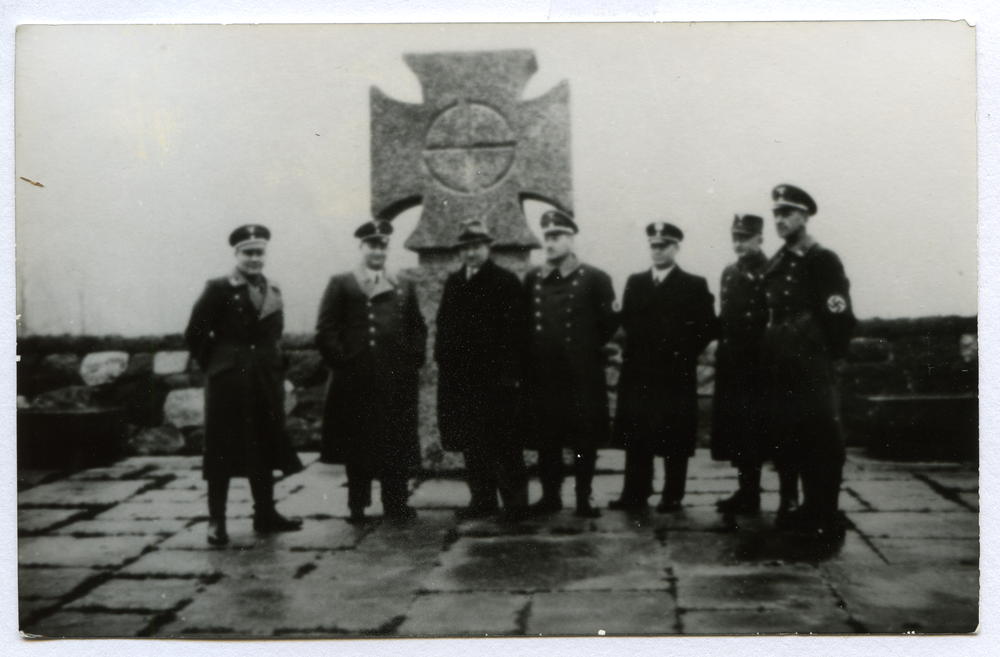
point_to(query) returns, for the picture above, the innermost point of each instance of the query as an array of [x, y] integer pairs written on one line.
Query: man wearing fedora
[[234, 334], [810, 320], [372, 336], [669, 318], [571, 318], [738, 408], [480, 350]]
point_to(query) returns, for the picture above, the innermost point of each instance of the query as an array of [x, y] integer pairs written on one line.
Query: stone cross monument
[[472, 150]]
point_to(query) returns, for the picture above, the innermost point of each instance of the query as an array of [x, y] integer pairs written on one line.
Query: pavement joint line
[[523, 615], [949, 493]]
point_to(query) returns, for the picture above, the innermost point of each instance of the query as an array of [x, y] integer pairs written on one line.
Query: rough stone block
[[138, 595], [185, 407], [140, 365], [56, 371], [170, 362], [440, 494], [75, 493], [69, 398], [306, 368], [75, 624], [34, 521], [464, 614], [70, 551], [103, 367], [153, 441], [585, 613], [52, 583]]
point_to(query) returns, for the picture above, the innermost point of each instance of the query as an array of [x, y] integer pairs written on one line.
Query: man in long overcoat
[[572, 317], [234, 334], [738, 409], [810, 325], [372, 336], [669, 318], [480, 351]]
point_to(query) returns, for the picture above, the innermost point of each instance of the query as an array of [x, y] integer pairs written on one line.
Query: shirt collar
[[238, 278], [660, 275], [807, 242], [569, 265]]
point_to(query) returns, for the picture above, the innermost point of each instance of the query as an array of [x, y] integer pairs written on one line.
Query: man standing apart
[[571, 320], [810, 326], [372, 336], [738, 410], [479, 349], [669, 318], [235, 335]]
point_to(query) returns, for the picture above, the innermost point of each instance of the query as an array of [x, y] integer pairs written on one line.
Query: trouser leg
[[512, 475], [748, 475], [481, 476], [394, 482], [584, 464], [359, 487], [788, 479], [676, 473], [218, 492], [550, 472], [638, 484], [262, 490]]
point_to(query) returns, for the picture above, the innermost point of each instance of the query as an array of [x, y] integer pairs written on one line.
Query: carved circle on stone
[[469, 148]]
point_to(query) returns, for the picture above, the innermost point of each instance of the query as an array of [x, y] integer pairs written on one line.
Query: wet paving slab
[[122, 551]]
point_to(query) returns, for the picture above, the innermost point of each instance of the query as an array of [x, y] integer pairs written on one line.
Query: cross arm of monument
[[397, 130], [544, 124]]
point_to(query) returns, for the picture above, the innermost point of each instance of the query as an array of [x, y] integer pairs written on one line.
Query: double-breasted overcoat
[[373, 338], [738, 407], [810, 323], [238, 347], [480, 351], [667, 325], [571, 318]]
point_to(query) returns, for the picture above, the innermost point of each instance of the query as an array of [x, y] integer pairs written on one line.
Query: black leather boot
[[266, 519], [218, 490]]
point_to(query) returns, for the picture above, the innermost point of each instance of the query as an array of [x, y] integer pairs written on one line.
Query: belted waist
[[779, 316]]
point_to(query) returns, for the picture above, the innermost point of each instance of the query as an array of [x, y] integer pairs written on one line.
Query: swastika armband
[[836, 304]]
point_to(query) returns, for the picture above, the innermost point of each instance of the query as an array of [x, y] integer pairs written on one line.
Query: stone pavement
[[120, 551]]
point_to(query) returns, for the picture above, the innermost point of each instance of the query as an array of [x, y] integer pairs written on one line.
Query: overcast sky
[[154, 142]]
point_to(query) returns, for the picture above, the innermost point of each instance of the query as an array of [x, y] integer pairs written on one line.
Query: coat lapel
[[388, 283], [272, 301]]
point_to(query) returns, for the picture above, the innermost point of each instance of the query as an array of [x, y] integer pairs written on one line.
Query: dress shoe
[[624, 504], [271, 522], [358, 518], [475, 512], [217, 532], [669, 506], [585, 510], [546, 505], [786, 508]]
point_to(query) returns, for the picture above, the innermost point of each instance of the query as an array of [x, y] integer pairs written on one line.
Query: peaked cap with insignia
[[790, 196]]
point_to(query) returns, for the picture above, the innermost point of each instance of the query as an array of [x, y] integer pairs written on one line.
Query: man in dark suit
[[810, 323], [479, 350], [738, 409], [572, 311], [669, 318], [372, 336], [235, 335]]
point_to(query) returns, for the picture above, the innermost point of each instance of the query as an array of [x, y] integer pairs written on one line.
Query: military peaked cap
[[556, 221], [473, 231], [789, 196], [250, 234], [748, 224], [660, 232], [374, 230]]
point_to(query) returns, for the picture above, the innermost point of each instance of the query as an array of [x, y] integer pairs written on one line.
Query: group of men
[[522, 365]]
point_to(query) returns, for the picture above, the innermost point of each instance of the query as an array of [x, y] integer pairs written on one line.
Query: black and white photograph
[[384, 331]]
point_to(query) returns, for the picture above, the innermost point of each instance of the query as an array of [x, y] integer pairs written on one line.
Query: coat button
[[538, 327], [538, 313], [371, 329], [371, 316], [371, 343], [568, 324], [253, 347], [538, 299]]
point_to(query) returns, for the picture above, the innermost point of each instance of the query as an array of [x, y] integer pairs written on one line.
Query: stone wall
[[160, 388]]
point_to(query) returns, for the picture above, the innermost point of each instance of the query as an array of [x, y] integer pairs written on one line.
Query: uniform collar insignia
[[387, 283], [800, 249], [237, 278]]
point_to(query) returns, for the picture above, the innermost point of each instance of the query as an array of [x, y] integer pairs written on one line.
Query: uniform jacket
[[373, 338], [810, 324], [667, 325], [480, 352], [237, 346], [738, 406], [571, 318]]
